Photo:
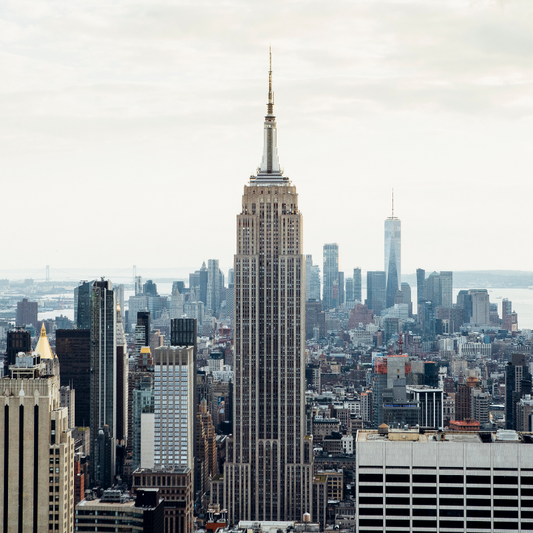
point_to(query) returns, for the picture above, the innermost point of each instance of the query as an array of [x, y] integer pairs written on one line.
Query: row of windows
[[452, 524], [485, 491], [470, 513], [445, 478], [458, 502]]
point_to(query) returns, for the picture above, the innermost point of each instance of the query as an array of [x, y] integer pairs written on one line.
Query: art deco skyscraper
[[36, 446], [393, 255], [268, 474]]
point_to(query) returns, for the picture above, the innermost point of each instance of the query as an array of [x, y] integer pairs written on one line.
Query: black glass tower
[[18, 340], [73, 349]]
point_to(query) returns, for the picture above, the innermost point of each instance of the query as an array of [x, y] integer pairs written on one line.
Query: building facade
[[269, 471], [103, 397], [174, 406], [331, 295], [27, 313], [357, 286], [411, 481], [36, 447], [73, 348], [376, 290]]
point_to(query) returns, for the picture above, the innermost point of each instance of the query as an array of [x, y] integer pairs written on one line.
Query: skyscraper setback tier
[[268, 474]]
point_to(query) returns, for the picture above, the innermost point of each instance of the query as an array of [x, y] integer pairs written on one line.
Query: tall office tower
[[308, 266], [406, 291], [143, 319], [176, 304], [82, 305], [194, 280], [221, 287], [73, 348], [269, 471], [184, 332], [340, 285], [122, 380], [119, 296], [349, 296], [464, 302], [357, 286], [480, 307], [37, 449], [174, 399], [433, 290], [180, 285], [103, 384], [202, 296], [446, 289], [420, 292], [206, 449], [138, 285], [27, 313], [213, 286], [136, 304], [312, 279], [18, 340], [509, 317], [150, 288], [141, 385], [393, 255], [517, 384], [331, 276], [507, 309], [376, 290], [463, 402]]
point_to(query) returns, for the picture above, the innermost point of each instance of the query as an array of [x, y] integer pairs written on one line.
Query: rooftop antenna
[[270, 105], [392, 203]]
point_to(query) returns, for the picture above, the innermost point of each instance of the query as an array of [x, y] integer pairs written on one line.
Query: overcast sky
[[128, 128]]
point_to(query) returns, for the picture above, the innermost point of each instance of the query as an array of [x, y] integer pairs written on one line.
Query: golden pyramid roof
[[43, 346]]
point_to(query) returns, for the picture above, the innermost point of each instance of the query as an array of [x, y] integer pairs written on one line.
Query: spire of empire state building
[[270, 162]]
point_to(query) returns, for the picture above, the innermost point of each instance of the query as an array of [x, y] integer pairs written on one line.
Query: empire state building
[[268, 475]]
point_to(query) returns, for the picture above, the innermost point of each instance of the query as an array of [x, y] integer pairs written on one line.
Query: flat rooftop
[[414, 435]]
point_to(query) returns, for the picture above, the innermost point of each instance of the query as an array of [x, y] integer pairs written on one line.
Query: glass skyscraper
[[331, 292], [393, 256], [103, 384]]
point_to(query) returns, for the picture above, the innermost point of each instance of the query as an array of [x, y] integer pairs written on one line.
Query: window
[[424, 478], [447, 478], [397, 478]]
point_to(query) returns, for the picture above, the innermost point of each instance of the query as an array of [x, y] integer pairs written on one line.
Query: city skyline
[[132, 101]]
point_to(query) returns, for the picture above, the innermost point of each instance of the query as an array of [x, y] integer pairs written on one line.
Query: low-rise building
[[117, 512]]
